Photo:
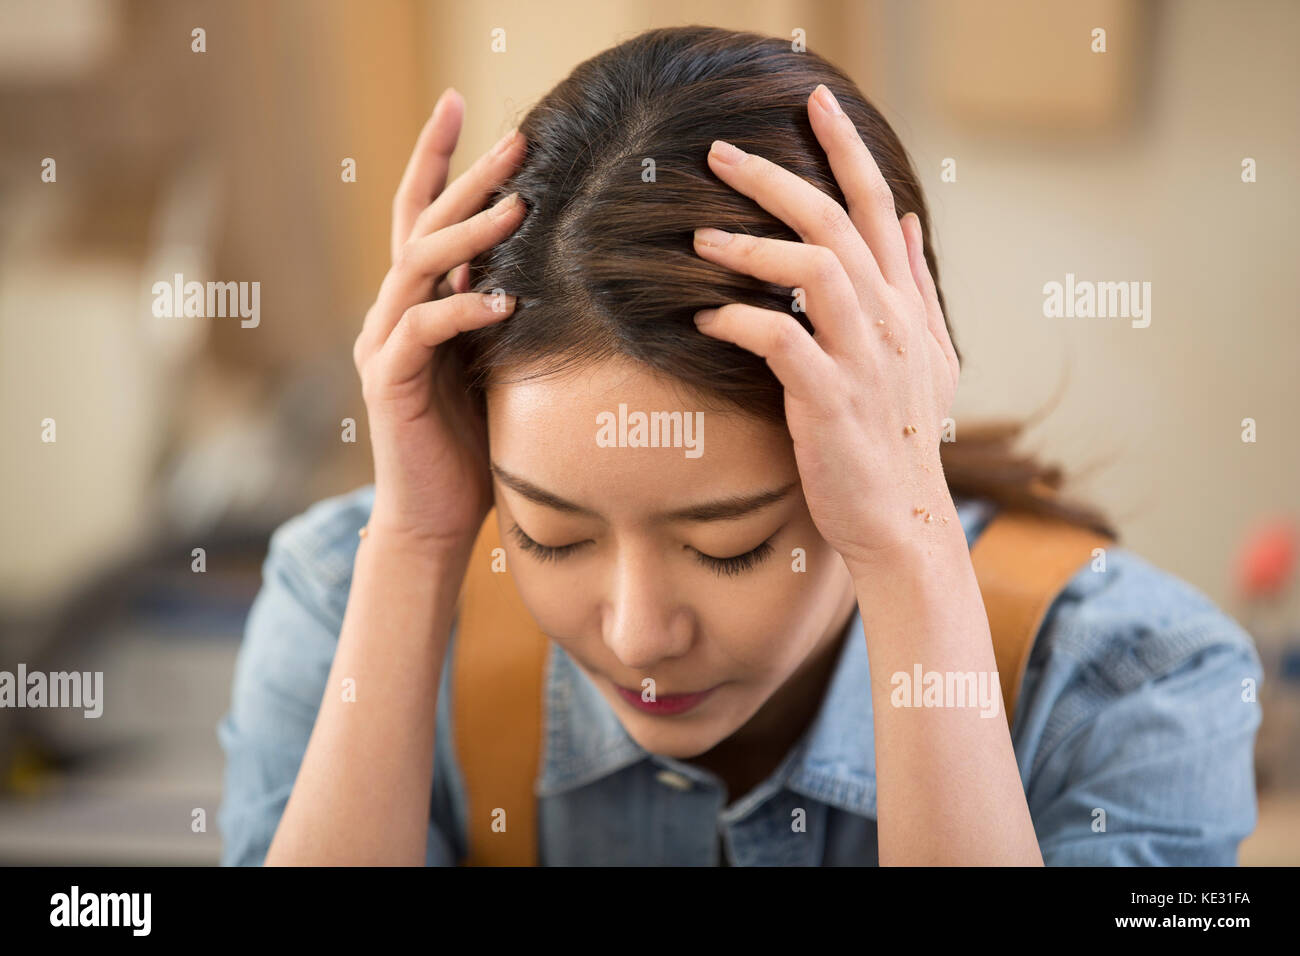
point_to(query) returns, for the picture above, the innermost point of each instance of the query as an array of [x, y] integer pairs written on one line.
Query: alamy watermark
[[58, 689], [651, 430], [923, 688], [129, 910], [215, 300], [1098, 300]]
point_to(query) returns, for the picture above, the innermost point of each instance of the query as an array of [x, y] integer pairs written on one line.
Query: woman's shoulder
[[1129, 648], [1121, 604], [1136, 719], [1127, 638], [328, 527], [1123, 608], [314, 551]]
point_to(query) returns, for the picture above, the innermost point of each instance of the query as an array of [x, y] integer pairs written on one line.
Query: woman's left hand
[[880, 363]]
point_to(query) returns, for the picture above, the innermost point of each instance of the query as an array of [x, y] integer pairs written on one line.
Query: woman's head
[[615, 180]]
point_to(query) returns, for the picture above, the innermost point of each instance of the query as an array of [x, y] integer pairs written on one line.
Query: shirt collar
[[833, 762]]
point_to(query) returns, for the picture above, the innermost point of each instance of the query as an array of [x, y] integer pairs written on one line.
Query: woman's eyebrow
[[733, 506]]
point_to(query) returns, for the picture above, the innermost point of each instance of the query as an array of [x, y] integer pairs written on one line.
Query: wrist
[[926, 530], [426, 550], [421, 535], [418, 576], [903, 557], [919, 593], [927, 571]]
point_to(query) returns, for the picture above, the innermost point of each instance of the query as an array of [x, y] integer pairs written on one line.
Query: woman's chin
[[679, 743]]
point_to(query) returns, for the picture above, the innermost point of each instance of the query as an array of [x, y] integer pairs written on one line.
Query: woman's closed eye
[[736, 564], [541, 551]]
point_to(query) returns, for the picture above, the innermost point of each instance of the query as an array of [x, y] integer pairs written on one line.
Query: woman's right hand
[[432, 483]]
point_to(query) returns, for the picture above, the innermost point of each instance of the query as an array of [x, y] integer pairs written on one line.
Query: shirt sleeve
[[280, 675], [1148, 756]]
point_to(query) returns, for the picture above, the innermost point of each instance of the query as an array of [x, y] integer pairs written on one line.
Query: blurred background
[[134, 148]]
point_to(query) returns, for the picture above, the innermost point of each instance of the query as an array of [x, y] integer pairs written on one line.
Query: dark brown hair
[[604, 263]]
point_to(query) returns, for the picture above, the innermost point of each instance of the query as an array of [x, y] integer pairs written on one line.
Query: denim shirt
[[1133, 732]]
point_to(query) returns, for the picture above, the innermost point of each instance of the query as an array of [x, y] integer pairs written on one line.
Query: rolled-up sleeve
[[1151, 761], [281, 671]]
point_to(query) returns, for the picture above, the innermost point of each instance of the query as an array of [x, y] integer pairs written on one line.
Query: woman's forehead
[[614, 432]]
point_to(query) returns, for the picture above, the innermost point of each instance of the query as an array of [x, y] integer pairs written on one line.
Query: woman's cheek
[[558, 601], [764, 628]]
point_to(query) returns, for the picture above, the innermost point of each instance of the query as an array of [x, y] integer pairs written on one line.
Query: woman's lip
[[664, 703], [666, 696]]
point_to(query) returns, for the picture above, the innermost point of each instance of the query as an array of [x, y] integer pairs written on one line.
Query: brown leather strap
[[497, 708], [1022, 562]]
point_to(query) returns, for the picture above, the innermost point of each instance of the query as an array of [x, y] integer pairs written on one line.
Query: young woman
[[809, 344]]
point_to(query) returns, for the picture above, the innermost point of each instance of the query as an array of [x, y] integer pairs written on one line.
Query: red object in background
[[1267, 558]]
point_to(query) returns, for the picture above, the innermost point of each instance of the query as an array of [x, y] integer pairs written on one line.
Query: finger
[[426, 170], [830, 299], [870, 198], [473, 188], [421, 260], [816, 217], [795, 359], [925, 283], [427, 325]]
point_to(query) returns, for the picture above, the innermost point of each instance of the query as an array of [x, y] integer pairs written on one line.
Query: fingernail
[[504, 206], [705, 317], [504, 141], [440, 107], [708, 236], [827, 99], [726, 153]]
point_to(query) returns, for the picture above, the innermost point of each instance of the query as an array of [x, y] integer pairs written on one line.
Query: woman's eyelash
[[541, 551], [738, 564]]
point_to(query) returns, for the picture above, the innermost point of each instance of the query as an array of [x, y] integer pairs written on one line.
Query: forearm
[[363, 790], [948, 789]]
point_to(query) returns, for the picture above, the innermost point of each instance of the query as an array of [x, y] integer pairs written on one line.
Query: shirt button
[[673, 779]]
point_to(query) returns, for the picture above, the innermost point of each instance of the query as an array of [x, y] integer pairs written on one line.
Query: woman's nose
[[643, 624]]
